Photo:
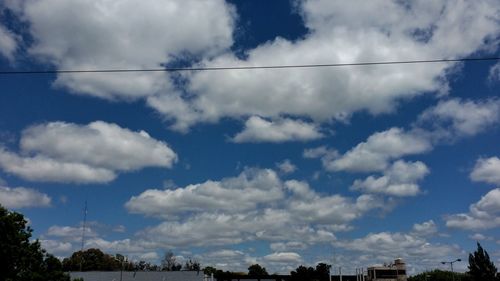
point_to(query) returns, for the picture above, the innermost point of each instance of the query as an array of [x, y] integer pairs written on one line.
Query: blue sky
[[350, 165]]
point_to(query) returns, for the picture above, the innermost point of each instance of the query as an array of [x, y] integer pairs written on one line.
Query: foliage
[[20, 258], [256, 269], [320, 273], [440, 275], [169, 262], [209, 270], [94, 260], [480, 266], [192, 265]]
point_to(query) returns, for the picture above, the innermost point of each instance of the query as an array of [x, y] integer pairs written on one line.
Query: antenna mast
[[84, 224], [83, 234]]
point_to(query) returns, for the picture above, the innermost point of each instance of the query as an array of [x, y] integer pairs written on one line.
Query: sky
[[352, 166]]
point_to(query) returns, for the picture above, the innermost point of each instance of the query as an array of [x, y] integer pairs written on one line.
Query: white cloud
[[56, 247], [256, 205], [400, 179], [284, 257], [67, 152], [286, 167], [427, 228], [487, 170], [479, 237], [456, 117], [413, 31], [375, 153], [70, 233], [43, 169], [258, 129], [291, 245], [21, 197], [382, 247], [484, 214], [8, 43], [495, 72], [245, 192], [122, 39]]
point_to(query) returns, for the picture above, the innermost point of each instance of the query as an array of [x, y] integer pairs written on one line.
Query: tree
[[94, 259], [256, 269], [320, 273], [192, 265], [480, 266], [169, 262], [440, 275], [21, 259]]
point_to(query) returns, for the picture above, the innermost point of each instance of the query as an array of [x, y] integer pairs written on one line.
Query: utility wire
[[178, 69]]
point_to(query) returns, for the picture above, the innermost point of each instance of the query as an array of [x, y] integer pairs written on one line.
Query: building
[[393, 272]]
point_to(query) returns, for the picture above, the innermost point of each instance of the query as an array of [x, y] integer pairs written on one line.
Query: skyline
[[279, 167]]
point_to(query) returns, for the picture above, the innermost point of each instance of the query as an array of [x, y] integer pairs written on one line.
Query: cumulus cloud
[[258, 129], [375, 153], [398, 180], [67, 152], [284, 257], [484, 214], [121, 39], [325, 94], [8, 43], [456, 117], [383, 247], [495, 72], [427, 228], [70, 233], [286, 167], [21, 197], [56, 247], [448, 120], [487, 170], [245, 192], [256, 205], [291, 245], [479, 237], [44, 169]]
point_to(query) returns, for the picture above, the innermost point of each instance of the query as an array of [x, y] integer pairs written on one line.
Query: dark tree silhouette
[[480, 266], [21, 259], [256, 269]]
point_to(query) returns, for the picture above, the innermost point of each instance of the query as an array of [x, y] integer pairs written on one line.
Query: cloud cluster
[[22, 197], [449, 120], [178, 31], [487, 170], [258, 129], [122, 39], [256, 205], [484, 214], [414, 247], [93, 153], [398, 180], [8, 43]]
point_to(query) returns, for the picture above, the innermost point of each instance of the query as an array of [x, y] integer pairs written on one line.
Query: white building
[[393, 272]]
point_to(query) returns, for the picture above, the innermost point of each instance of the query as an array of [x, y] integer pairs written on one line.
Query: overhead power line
[[217, 68]]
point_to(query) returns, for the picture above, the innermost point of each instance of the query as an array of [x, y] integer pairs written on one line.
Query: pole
[[340, 272], [452, 274]]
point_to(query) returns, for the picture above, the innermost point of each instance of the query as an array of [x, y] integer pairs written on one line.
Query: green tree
[[440, 275], [192, 265], [92, 259], [320, 273], [20, 258], [256, 269], [480, 266]]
